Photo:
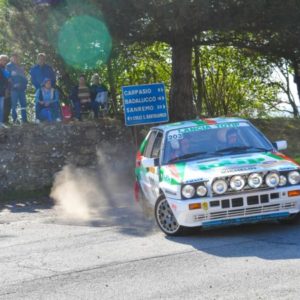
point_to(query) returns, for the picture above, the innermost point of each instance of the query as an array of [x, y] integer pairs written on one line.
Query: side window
[[151, 140], [156, 147]]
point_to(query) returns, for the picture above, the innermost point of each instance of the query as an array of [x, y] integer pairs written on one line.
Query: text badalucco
[[136, 93]]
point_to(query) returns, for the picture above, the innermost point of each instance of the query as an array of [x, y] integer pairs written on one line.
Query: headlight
[[282, 180], [294, 177], [220, 186], [201, 190], [237, 183], [188, 191], [255, 180], [272, 179]]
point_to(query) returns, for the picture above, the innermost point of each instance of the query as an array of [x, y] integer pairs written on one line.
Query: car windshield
[[213, 140]]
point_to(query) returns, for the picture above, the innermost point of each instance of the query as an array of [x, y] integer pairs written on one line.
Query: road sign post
[[145, 104]]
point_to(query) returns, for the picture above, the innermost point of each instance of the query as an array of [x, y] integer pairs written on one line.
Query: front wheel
[[166, 219]]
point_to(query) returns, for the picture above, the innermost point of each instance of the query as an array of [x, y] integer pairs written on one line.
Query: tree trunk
[[112, 85], [297, 81], [181, 96], [199, 81]]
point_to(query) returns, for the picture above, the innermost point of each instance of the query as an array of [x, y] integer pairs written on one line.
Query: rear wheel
[[166, 219]]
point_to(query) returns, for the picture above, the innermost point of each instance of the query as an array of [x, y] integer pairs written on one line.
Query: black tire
[[291, 220], [165, 218]]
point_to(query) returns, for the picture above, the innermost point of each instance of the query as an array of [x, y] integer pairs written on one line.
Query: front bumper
[[237, 208]]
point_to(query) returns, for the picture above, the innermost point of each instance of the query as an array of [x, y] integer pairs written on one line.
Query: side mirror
[[280, 145], [150, 162]]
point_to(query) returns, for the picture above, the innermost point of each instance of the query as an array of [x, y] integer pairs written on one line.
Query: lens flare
[[84, 42]]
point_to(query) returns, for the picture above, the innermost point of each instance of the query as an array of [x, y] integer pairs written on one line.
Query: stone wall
[[30, 155], [282, 129]]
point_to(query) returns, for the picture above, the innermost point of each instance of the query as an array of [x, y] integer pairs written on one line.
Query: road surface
[[120, 254]]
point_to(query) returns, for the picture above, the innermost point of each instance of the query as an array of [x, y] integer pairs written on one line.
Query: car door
[[151, 180]]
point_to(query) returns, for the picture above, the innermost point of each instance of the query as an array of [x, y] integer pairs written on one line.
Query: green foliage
[[235, 83], [226, 80], [137, 64]]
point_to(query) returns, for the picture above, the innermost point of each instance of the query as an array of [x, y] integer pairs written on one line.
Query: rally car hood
[[207, 169]]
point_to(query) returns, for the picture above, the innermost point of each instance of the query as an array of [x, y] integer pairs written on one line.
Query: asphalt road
[[121, 255]]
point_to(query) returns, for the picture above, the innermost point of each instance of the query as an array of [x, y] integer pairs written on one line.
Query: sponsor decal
[[174, 206], [281, 156], [210, 121], [173, 174], [234, 170], [195, 180], [274, 156], [204, 206], [228, 162], [174, 135], [194, 129], [201, 126]]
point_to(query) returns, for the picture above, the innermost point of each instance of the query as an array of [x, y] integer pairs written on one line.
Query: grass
[[297, 159]]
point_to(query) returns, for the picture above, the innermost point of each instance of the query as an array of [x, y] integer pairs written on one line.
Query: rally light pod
[[294, 177], [201, 191], [255, 180], [220, 186], [188, 191], [237, 183], [272, 179]]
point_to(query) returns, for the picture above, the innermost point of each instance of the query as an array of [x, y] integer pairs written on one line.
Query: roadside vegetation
[[212, 64]]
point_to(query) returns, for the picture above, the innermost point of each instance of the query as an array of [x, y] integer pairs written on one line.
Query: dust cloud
[[99, 196]]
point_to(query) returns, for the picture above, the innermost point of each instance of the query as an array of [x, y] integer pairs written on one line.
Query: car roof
[[198, 122]]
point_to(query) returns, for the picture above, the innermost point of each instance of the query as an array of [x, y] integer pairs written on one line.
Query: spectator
[[41, 71], [3, 86], [99, 93], [18, 85], [81, 99], [47, 106]]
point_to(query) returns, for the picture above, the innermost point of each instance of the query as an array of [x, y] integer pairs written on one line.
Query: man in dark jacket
[[41, 71], [3, 86], [18, 87]]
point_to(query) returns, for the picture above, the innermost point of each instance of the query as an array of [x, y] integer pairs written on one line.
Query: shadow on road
[[270, 241], [28, 206]]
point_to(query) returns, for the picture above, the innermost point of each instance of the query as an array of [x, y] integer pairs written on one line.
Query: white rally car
[[215, 172]]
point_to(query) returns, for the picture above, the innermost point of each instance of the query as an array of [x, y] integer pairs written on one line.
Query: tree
[[230, 81], [180, 24]]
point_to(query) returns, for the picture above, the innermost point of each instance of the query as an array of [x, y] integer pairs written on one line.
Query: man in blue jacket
[[18, 85], [41, 71]]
